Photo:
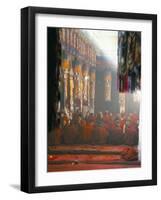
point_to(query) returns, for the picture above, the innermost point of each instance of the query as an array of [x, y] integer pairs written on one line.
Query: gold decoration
[[66, 64], [77, 69]]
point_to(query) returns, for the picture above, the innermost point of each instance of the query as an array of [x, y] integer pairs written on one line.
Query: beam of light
[[107, 43]]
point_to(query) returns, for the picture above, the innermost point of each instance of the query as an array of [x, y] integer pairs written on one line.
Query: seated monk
[[111, 125], [70, 134], [91, 117], [134, 117], [87, 132], [106, 116], [106, 125], [80, 124], [116, 135], [55, 136], [101, 135], [129, 154], [131, 134], [106, 120]]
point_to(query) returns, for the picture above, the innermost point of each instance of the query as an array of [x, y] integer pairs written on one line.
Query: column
[[92, 89]]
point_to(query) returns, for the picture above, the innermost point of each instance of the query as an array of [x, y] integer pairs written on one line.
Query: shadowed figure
[[98, 129]]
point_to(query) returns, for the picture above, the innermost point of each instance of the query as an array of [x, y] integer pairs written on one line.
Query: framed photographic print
[[88, 99]]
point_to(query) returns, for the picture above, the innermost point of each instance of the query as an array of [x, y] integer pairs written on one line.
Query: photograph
[[89, 99], [93, 99]]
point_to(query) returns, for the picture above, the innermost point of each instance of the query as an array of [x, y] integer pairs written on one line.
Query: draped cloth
[[129, 61]]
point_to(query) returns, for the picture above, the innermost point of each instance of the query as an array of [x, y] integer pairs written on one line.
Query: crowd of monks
[[96, 129]]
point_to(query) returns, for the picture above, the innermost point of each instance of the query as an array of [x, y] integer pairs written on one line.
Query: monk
[[100, 133], [70, 133], [131, 133], [129, 154], [116, 134], [87, 132], [55, 136]]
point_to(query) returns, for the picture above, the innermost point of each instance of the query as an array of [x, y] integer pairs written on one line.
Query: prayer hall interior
[[93, 99]]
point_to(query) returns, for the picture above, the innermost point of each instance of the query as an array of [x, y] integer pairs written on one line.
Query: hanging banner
[[107, 92], [129, 61]]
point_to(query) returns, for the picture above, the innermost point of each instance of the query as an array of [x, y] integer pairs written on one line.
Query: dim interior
[[94, 85]]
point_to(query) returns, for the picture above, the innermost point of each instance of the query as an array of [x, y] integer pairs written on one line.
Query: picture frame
[[29, 50]]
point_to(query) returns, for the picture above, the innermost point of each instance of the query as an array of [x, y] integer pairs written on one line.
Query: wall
[[10, 99]]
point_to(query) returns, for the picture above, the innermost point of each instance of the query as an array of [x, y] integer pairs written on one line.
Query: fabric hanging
[[129, 61]]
